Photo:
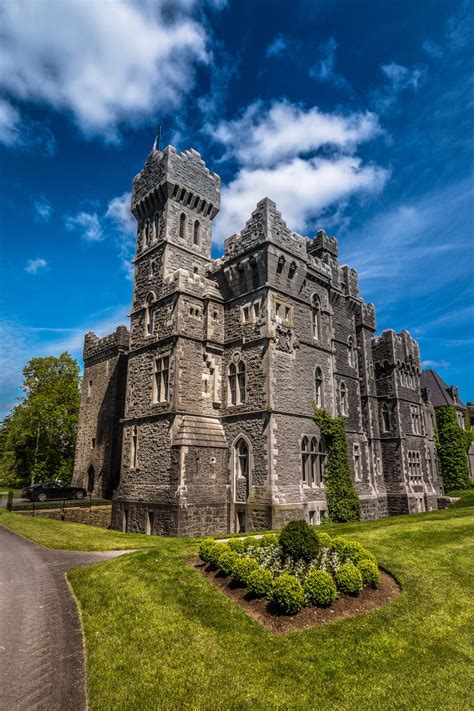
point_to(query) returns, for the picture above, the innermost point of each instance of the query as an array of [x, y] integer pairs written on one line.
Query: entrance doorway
[[90, 479], [240, 522]]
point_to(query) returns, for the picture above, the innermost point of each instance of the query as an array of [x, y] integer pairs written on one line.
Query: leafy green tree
[[37, 439], [343, 503], [452, 443]]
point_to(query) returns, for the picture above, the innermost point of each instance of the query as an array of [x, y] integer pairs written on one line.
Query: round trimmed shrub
[[242, 568], [260, 582], [338, 545], [324, 540], [369, 571], [355, 551], [348, 579], [237, 545], [215, 553], [205, 549], [226, 561], [319, 588], [268, 539], [288, 593], [298, 540], [251, 542]]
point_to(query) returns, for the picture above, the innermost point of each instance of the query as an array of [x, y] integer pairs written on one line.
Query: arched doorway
[[241, 467], [90, 479]]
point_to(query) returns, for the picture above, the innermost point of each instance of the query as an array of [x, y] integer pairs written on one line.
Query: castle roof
[[195, 431], [440, 394]]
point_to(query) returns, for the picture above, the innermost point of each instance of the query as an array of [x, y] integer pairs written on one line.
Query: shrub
[[226, 561], [216, 551], [260, 582], [348, 579], [351, 550], [288, 594], [338, 545], [268, 539], [319, 588], [237, 545], [369, 571], [251, 542], [205, 549], [324, 540], [298, 540], [452, 444], [242, 568]]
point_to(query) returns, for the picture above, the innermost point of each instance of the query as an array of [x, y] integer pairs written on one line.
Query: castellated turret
[[225, 361]]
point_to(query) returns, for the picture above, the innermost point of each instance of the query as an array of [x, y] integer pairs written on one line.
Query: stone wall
[[99, 516]]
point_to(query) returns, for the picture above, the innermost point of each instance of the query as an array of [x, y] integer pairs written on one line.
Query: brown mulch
[[262, 611]]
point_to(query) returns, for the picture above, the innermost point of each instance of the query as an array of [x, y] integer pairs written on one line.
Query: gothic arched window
[[197, 233], [385, 418], [343, 399], [241, 381], [232, 384], [316, 317], [242, 459], [134, 448], [182, 225], [318, 387], [322, 459], [237, 384], [351, 354], [148, 315], [305, 460], [314, 459]]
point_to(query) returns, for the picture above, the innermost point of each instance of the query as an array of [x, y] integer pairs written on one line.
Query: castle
[[199, 419]]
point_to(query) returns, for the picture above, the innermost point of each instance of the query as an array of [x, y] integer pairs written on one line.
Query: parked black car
[[52, 490]]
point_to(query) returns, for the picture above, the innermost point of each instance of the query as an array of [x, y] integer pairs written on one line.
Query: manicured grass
[[160, 636]]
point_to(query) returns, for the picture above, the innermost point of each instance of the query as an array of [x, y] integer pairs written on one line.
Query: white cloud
[[9, 124], [264, 136], [435, 364], [105, 63], [397, 80], [43, 209], [302, 189], [432, 49], [277, 46], [33, 266], [324, 70], [125, 227], [88, 224]]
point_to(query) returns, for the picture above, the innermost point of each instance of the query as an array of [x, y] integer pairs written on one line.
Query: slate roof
[[197, 431], [439, 394]]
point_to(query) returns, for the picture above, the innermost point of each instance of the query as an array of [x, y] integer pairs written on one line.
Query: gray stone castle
[[199, 419]]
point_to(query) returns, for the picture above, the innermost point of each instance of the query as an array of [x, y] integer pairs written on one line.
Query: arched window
[[182, 225], [351, 353], [318, 387], [134, 448], [314, 459], [385, 418], [305, 460], [292, 270], [316, 318], [242, 459], [148, 315], [322, 459], [241, 382], [280, 264], [343, 399], [357, 462], [232, 384], [197, 233]]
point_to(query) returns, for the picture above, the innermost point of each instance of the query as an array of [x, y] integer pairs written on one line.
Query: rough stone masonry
[[199, 419]]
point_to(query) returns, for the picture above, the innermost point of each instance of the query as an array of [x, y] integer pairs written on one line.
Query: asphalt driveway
[[41, 646]]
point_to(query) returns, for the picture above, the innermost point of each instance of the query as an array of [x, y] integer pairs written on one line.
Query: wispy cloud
[[125, 227], [324, 69], [87, 224], [397, 79], [277, 46], [43, 209], [33, 266], [435, 364]]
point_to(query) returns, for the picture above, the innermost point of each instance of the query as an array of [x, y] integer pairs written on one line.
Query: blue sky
[[355, 117]]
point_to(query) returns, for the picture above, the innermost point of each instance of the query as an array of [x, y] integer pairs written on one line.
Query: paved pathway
[[41, 646]]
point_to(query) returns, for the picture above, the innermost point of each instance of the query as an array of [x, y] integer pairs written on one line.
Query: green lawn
[[160, 636]]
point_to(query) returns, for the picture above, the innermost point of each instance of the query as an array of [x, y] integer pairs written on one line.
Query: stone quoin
[[199, 419]]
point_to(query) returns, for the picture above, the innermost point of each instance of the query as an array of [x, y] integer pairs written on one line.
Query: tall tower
[[174, 448]]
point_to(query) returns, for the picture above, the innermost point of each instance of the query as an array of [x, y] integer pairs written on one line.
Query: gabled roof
[[195, 431], [440, 393]]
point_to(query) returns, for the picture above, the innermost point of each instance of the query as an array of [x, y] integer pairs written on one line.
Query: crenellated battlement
[[95, 347]]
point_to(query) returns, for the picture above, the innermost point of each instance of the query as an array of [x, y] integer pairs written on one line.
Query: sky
[[352, 116]]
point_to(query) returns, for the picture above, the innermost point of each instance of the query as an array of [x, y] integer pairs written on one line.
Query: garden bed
[[280, 623]]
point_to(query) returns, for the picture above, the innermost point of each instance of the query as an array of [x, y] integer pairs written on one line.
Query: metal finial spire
[[157, 143]]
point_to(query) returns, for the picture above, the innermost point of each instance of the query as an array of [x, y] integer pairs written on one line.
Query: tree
[[37, 439]]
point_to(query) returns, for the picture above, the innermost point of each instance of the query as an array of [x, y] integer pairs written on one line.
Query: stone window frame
[[385, 417], [236, 381], [280, 264], [357, 460], [183, 225], [245, 313], [292, 269], [150, 300], [89, 388], [256, 310], [316, 317], [164, 380], [283, 310], [318, 387], [313, 458], [197, 233], [415, 419], [236, 462], [343, 401], [351, 352], [134, 448], [414, 468]]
